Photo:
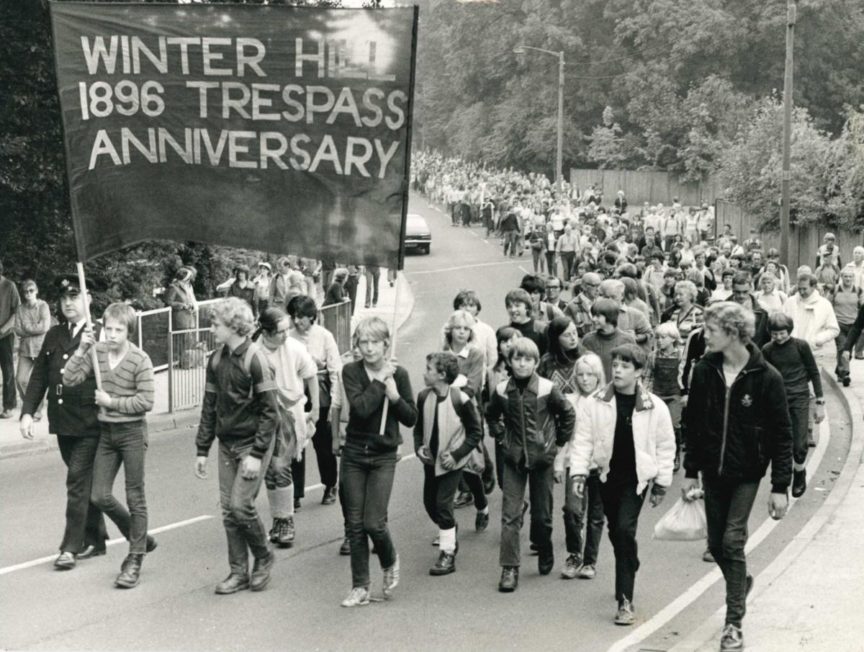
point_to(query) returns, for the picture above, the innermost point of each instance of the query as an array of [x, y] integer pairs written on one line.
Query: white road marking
[[461, 267], [171, 526], [164, 528], [683, 601]]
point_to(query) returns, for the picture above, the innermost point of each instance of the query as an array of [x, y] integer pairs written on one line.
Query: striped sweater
[[130, 383]]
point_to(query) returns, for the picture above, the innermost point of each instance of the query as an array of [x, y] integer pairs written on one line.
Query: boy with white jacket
[[627, 433]]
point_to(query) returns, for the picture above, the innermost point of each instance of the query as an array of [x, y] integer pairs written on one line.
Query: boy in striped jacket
[[125, 398]]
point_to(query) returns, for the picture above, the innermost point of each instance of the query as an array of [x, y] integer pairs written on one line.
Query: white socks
[[447, 540], [799, 467]]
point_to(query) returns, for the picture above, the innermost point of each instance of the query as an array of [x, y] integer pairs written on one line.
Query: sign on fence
[[282, 129]]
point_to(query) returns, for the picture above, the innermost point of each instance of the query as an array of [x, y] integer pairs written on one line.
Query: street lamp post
[[559, 155]]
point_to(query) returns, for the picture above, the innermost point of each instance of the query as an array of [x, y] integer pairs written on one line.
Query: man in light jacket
[[627, 433], [815, 321]]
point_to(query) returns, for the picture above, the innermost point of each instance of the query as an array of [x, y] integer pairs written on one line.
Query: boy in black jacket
[[447, 430], [530, 417], [737, 423]]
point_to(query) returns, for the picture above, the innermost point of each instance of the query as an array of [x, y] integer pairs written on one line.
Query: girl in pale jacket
[[581, 562], [625, 432]]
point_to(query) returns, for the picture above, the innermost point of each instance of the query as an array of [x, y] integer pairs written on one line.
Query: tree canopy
[[670, 85]]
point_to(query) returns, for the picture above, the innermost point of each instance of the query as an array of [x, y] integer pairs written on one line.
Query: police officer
[[72, 417]]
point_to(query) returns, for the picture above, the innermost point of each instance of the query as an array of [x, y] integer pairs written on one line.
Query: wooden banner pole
[[83, 285]]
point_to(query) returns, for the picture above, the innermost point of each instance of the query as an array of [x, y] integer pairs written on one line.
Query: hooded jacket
[[734, 433]]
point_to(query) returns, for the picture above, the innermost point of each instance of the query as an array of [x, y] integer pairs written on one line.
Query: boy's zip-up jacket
[[734, 432], [530, 425], [653, 437]]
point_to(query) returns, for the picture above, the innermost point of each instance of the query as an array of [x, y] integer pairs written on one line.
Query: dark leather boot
[[130, 571], [261, 572]]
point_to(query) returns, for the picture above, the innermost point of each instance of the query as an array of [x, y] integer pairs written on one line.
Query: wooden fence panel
[[655, 187]]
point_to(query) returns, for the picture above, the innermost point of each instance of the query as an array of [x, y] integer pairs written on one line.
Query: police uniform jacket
[[71, 410]]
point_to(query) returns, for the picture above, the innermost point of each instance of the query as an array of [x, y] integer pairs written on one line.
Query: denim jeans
[[243, 526], [373, 276], [366, 480], [7, 369], [84, 523], [123, 443], [799, 414], [438, 494], [322, 441], [727, 509], [585, 512], [622, 505], [540, 481], [842, 368]]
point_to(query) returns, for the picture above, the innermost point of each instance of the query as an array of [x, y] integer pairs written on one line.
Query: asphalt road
[[175, 608]]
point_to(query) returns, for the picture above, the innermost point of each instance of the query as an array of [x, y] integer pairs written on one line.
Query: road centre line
[[42, 560], [670, 611]]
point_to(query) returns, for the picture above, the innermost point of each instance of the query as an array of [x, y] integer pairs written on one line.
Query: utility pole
[[559, 157], [791, 15], [559, 154]]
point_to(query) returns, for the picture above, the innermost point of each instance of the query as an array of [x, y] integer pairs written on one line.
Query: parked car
[[417, 234]]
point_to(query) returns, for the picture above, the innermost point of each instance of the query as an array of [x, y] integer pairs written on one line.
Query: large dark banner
[[284, 129]]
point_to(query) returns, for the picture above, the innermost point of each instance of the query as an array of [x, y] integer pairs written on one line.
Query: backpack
[[286, 437]]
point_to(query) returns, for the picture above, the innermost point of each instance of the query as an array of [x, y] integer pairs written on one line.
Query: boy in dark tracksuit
[[447, 430], [737, 423], [530, 418]]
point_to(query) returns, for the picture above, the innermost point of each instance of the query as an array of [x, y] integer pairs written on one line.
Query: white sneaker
[[391, 578], [359, 597]]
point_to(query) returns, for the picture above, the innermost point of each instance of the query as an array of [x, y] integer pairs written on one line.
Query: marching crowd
[[635, 349]]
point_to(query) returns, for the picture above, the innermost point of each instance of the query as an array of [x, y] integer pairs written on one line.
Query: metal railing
[[191, 348]]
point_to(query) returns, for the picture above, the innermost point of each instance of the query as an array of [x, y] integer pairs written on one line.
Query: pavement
[[808, 597], [392, 308]]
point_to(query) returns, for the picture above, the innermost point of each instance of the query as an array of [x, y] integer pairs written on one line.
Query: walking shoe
[[152, 544], [6, 414], [732, 638], [359, 597], [708, 557], [445, 565], [533, 549], [391, 578], [329, 496], [284, 532], [297, 506], [572, 566], [545, 562], [130, 571], [91, 551], [272, 534], [481, 521], [509, 579], [464, 498], [859, 356], [232, 584], [261, 572], [345, 548], [587, 572], [65, 561], [625, 614], [799, 483], [846, 382]]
